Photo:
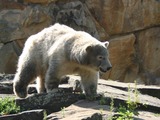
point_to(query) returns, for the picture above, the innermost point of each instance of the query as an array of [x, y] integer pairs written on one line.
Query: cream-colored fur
[[56, 51]]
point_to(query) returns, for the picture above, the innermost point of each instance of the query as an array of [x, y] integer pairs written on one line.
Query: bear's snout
[[106, 69]]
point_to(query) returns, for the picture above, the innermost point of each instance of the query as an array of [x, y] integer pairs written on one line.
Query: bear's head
[[97, 57]]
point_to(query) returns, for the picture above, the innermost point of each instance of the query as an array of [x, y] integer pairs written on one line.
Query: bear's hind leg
[[23, 77]]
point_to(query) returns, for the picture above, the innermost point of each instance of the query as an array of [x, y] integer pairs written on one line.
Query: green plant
[[45, 115], [103, 101], [110, 117], [63, 112], [125, 112], [157, 114], [101, 111], [128, 112], [112, 105], [8, 106]]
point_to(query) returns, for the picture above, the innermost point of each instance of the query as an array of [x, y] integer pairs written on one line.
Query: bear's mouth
[[102, 70]]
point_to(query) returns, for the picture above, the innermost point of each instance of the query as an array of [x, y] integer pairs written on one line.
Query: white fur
[[60, 46]]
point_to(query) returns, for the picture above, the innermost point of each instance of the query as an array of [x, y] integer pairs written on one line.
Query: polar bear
[[57, 51]]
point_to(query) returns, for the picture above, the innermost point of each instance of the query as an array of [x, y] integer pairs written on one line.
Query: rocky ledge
[[68, 102]]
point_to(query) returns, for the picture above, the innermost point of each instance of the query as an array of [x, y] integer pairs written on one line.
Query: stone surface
[[39, 1], [119, 92], [118, 17], [6, 77], [6, 85], [9, 60], [11, 4], [143, 89], [145, 102], [76, 15], [26, 115], [92, 110], [6, 88], [149, 55], [16, 26], [125, 16], [9, 20], [81, 110], [63, 101], [51, 102], [85, 110], [122, 55]]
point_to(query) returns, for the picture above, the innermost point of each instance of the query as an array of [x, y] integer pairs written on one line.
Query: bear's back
[[61, 38]]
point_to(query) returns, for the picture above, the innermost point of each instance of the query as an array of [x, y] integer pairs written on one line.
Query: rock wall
[[131, 26]]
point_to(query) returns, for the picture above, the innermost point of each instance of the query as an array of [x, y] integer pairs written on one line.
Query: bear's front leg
[[89, 82], [51, 80], [25, 75], [20, 89]]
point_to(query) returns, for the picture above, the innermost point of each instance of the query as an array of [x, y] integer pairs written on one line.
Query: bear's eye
[[100, 57]]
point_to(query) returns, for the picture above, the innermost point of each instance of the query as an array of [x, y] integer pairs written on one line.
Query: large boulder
[[11, 4], [20, 24], [122, 55], [123, 16], [26, 115], [16, 26], [74, 14], [38, 1], [8, 58], [149, 55]]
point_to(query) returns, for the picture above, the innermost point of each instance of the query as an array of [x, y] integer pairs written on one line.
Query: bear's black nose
[[105, 70], [108, 68]]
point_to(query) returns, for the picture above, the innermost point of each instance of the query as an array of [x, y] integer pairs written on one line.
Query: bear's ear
[[89, 49], [106, 43]]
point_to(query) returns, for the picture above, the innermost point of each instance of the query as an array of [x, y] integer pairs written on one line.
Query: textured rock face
[[76, 15], [16, 26], [26, 115], [122, 16], [122, 55], [149, 54], [136, 60], [132, 27], [8, 62]]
